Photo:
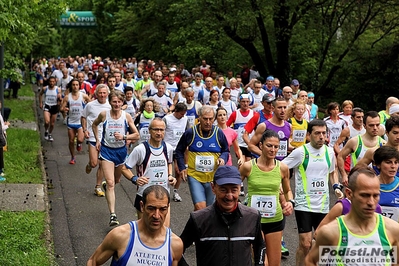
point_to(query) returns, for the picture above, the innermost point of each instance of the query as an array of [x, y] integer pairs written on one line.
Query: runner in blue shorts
[[73, 105], [112, 146]]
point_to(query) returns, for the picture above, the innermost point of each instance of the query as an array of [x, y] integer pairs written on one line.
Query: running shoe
[[2, 179], [98, 192], [88, 168], [46, 134], [79, 146], [72, 161], [176, 197], [50, 138], [284, 249], [113, 220]]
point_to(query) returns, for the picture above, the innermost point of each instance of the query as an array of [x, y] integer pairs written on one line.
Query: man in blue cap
[[295, 89], [225, 233]]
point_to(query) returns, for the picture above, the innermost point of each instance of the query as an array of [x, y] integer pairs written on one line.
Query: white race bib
[[191, 120], [390, 212], [204, 164], [299, 135], [144, 133], [317, 185], [177, 133], [282, 150], [266, 205]]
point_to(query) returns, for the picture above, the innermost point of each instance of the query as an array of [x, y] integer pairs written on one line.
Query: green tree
[[21, 24]]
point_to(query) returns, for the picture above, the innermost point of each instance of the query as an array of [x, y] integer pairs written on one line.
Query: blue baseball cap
[[295, 82], [227, 174], [270, 78]]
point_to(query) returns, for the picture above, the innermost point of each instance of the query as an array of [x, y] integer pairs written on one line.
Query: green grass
[[26, 90], [21, 159], [22, 108], [21, 239]]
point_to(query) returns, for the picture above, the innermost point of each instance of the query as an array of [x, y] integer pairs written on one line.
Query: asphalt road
[[79, 219]]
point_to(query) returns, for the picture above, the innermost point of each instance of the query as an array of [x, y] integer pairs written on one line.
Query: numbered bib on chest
[[159, 177], [282, 150], [177, 133], [111, 135], [299, 135], [144, 133], [390, 212], [316, 186], [204, 164], [266, 205], [191, 120]]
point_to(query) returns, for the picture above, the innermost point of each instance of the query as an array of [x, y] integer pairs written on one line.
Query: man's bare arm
[[254, 142], [342, 137], [341, 157]]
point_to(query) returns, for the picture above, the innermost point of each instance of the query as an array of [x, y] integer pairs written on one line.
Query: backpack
[[141, 168]]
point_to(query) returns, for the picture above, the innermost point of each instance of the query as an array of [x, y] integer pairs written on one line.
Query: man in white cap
[[223, 223]]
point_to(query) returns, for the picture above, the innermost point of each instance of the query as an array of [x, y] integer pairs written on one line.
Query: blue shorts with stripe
[[113, 155]]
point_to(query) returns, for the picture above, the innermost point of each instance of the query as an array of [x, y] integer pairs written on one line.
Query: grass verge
[[22, 108], [22, 234], [21, 159], [22, 240]]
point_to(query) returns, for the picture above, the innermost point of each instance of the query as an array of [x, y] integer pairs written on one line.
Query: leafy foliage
[[21, 24], [317, 42]]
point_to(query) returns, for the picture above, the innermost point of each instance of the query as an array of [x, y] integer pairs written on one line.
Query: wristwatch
[[293, 202]]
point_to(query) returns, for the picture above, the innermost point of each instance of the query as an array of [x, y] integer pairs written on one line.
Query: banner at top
[[72, 19]]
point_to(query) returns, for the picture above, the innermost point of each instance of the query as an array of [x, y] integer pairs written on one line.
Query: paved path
[[79, 219]]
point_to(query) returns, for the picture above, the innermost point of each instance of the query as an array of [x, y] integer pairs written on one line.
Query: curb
[[47, 227]]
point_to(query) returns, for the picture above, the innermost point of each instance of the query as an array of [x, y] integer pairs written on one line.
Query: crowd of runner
[[161, 124]]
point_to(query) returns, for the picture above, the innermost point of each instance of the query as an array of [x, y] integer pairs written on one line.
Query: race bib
[[144, 133], [111, 135], [282, 150], [266, 205], [299, 135], [317, 185], [177, 133], [159, 177], [390, 212], [204, 164], [191, 120]]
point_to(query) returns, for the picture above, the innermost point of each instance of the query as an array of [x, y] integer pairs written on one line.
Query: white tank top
[[312, 175], [354, 132], [156, 170], [239, 124], [174, 129], [131, 108], [144, 124], [75, 109], [172, 88], [137, 253], [111, 126], [120, 87], [50, 96]]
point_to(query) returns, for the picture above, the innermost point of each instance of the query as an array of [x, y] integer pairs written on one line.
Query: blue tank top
[[137, 253], [390, 193], [313, 112], [284, 134], [192, 112]]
